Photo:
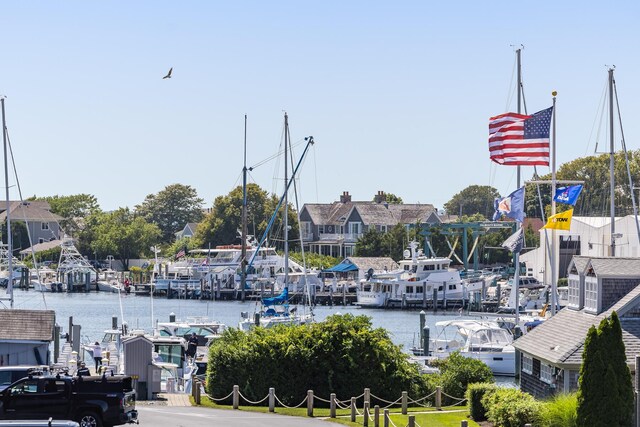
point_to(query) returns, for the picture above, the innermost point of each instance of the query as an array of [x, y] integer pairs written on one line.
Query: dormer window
[[591, 294], [45, 225]]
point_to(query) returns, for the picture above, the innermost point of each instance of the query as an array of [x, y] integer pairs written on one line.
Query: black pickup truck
[[91, 401]]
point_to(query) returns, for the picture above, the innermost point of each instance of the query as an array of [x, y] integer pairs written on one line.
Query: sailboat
[[275, 310]]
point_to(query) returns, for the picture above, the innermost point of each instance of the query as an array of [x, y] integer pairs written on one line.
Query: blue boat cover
[[341, 268], [283, 298]]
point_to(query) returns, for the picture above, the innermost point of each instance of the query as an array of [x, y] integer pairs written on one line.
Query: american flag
[[518, 139], [180, 254]]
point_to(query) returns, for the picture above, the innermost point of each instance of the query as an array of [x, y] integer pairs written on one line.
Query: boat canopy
[[283, 298], [343, 267]]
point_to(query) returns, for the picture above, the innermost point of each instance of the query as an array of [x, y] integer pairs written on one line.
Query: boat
[[74, 270], [275, 311], [417, 279], [476, 339], [109, 281], [45, 279]]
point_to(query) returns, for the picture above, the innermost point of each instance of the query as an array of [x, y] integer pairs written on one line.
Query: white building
[[588, 236]]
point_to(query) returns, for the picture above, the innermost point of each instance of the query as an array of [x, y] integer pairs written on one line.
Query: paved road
[[172, 416]]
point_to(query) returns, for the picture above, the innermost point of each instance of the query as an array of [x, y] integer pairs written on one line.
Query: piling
[[332, 405], [236, 396], [425, 341], [376, 416], [412, 421], [404, 402], [464, 423], [367, 395], [435, 299], [438, 398], [353, 409], [309, 403], [385, 418], [365, 412], [272, 399]]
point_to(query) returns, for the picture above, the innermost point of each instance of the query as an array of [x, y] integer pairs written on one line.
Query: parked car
[[11, 374], [91, 401]]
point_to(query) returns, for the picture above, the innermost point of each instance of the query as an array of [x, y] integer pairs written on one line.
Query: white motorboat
[[417, 279], [108, 281], [44, 279], [477, 339]]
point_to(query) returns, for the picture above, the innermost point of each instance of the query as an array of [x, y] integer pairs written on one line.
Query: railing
[[345, 237], [350, 404]]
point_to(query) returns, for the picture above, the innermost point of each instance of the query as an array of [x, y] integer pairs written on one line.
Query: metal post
[[438, 397], [435, 299], [309, 403], [236, 396], [404, 402], [353, 409], [332, 405], [272, 399]]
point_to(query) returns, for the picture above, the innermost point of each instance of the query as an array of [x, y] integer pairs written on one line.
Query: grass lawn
[[447, 417]]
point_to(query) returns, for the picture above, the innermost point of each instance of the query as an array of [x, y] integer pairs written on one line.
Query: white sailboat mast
[[243, 258], [6, 180], [286, 202], [612, 165]]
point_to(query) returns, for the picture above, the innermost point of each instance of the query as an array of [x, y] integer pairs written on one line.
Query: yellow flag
[[561, 221]]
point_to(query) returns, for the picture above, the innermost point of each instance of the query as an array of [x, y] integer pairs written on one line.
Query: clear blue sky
[[396, 94]]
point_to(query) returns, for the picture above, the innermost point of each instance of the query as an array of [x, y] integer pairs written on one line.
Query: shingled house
[[551, 354], [43, 224], [333, 228], [25, 336]]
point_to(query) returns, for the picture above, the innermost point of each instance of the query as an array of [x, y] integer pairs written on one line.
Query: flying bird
[[168, 76]]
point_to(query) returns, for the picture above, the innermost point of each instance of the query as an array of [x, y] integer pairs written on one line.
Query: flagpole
[[516, 255], [554, 284]]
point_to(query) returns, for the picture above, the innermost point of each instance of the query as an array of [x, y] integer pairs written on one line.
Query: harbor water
[[94, 310]]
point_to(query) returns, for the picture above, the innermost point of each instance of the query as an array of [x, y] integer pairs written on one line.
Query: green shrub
[[561, 411], [342, 355], [475, 393], [509, 407], [456, 373]]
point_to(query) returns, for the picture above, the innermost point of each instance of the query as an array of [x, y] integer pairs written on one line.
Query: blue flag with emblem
[[511, 206], [568, 195]]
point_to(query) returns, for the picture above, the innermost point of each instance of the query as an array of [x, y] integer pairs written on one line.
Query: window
[[321, 229], [574, 292], [409, 289], [45, 225], [354, 228], [527, 364], [546, 373], [591, 294], [306, 227]]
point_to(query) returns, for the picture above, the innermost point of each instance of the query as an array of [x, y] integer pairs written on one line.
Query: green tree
[[595, 197], [371, 244], [391, 199], [171, 209], [222, 225], [605, 391], [73, 210], [342, 355], [475, 199], [123, 235]]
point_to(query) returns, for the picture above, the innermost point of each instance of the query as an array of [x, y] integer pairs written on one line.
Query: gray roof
[[37, 210], [560, 339], [39, 247], [580, 262], [337, 213], [616, 267], [27, 325], [377, 263]]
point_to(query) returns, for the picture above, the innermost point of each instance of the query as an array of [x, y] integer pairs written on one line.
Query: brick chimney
[[346, 197], [380, 197]]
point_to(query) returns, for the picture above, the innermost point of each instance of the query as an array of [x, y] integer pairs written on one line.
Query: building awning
[[341, 268]]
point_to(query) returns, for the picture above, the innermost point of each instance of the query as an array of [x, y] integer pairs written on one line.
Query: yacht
[[415, 281], [275, 312], [482, 340]]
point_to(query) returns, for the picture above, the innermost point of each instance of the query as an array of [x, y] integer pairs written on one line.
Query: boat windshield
[[489, 337]]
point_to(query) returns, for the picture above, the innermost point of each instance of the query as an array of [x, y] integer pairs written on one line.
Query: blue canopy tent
[[343, 267]]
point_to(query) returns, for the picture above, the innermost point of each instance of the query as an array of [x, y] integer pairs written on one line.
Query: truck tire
[[89, 419]]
